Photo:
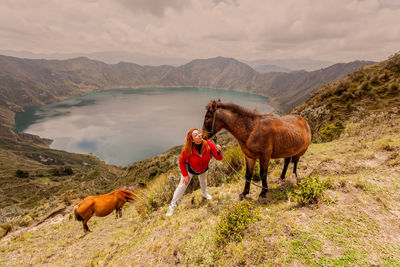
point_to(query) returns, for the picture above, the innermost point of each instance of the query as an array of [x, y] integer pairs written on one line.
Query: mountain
[[270, 68], [292, 64], [114, 57], [30, 82], [291, 89], [109, 57]]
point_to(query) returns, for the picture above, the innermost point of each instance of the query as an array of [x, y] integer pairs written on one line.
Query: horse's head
[[211, 124]]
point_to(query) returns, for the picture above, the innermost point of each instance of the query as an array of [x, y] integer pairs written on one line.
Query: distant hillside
[[109, 57], [271, 68], [291, 89], [292, 64], [28, 82], [372, 88]]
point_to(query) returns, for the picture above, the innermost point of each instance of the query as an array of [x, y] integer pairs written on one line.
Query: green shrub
[[157, 193], [5, 228], [234, 156], [21, 174], [394, 87], [393, 63], [331, 131], [234, 220], [24, 220], [256, 172], [62, 171], [394, 159], [310, 190], [364, 85]]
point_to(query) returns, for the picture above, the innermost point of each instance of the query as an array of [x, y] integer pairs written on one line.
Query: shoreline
[[264, 101]]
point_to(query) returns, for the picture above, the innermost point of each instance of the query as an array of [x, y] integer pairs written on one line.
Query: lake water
[[121, 126]]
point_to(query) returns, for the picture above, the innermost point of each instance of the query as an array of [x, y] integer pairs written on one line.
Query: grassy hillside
[[36, 180], [373, 88], [354, 221]]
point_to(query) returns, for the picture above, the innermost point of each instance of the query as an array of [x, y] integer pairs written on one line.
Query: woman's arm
[[182, 163], [216, 152]]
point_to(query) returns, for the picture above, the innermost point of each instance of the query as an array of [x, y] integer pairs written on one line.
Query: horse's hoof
[[263, 195], [241, 196]]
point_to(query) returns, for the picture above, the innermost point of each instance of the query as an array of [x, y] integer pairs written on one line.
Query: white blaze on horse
[[260, 136]]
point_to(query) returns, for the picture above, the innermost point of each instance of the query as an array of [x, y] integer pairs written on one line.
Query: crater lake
[[121, 126]]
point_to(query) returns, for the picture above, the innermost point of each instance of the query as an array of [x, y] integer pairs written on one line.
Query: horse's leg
[[117, 210], [295, 160], [285, 166], [249, 173], [85, 226], [264, 162], [120, 212]]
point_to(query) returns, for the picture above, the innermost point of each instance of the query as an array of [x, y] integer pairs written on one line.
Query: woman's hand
[[186, 180], [218, 147]]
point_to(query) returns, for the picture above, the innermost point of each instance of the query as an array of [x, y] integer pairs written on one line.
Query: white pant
[[180, 190]]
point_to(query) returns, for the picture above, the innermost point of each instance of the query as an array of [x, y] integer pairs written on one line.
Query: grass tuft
[[234, 221], [331, 131], [311, 189]]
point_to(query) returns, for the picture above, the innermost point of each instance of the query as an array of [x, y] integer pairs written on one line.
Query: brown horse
[[102, 205], [260, 136]]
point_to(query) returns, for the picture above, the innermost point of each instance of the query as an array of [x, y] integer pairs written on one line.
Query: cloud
[[339, 30], [154, 7]]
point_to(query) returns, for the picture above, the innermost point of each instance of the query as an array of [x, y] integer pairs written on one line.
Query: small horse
[[260, 136], [101, 206]]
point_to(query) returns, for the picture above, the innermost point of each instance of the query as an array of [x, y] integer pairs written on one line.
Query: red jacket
[[197, 162]]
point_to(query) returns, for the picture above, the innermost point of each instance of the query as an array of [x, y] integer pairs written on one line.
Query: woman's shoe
[[207, 196], [170, 211]]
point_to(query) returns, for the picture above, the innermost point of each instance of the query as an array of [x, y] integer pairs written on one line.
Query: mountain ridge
[[30, 82]]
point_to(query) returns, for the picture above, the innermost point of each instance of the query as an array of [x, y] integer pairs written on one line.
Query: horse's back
[[296, 123], [291, 135], [105, 204]]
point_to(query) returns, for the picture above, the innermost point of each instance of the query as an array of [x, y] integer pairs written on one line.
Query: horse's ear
[[213, 106]]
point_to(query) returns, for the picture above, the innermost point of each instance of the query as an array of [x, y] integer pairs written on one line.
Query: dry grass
[[355, 224]]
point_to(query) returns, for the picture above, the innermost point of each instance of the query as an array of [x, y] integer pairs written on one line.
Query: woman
[[194, 159]]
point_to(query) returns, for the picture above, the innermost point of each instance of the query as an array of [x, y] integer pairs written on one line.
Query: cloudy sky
[[336, 30]]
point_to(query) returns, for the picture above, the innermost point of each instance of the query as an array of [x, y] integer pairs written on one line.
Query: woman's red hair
[[188, 147]]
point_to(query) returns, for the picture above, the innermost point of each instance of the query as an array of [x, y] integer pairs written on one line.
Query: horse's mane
[[241, 110], [125, 193]]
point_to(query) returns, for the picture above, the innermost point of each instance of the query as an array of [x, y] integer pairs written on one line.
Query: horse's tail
[[128, 195], [76, 214]]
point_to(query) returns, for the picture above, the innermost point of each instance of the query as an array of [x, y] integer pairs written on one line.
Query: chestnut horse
[[102, 205], [260, 136]]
